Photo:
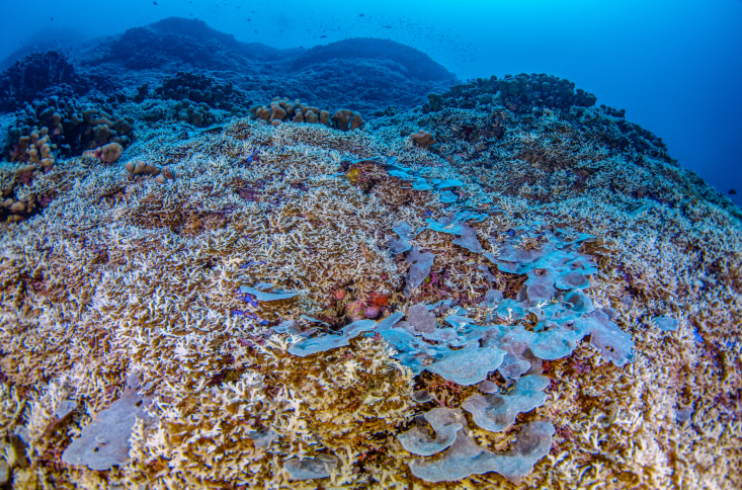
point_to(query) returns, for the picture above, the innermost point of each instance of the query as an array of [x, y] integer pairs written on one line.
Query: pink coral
[[371, 312]]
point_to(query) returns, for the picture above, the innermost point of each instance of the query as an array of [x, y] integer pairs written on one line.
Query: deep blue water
[[674, 66]]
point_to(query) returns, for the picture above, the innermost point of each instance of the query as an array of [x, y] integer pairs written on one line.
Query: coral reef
[[178, 52], [200, 88], [140, 168], [541, 299], [416, 63], [423, 139], [169, 44], [46, 131], [520, 93], [36, 76], [109, 153], [25, 190], [197, 96], [71, 127], [347, 120], [282, 109], [198, 115]]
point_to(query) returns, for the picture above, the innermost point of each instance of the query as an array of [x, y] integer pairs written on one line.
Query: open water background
[[675, 66]]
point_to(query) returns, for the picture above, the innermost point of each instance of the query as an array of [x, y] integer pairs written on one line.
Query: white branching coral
[[117, 276]]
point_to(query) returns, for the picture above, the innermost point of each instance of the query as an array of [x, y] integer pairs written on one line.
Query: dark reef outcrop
[[38, 75], [166, 46], [393, 55], [363, 74]]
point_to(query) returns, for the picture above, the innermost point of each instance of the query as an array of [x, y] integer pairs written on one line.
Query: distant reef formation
[[363, 75], [39, 75], [498, 284]]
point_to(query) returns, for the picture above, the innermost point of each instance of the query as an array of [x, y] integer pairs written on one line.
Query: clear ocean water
[[673, 65]]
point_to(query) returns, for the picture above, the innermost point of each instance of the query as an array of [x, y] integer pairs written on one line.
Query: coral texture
[[543, 299], [38, 75]]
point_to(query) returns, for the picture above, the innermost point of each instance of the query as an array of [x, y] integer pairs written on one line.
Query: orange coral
[[379, 299], [109, 153], [347, 120], [423, 139]]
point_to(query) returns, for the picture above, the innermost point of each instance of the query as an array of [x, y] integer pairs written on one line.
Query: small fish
[[732, 192], [253, 156], [323, 36], [361, 15], [155, 3]]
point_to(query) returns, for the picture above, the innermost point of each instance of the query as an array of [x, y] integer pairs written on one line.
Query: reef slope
[[200, 311]]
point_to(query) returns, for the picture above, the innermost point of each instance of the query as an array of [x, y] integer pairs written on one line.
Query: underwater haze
[[673, 65]]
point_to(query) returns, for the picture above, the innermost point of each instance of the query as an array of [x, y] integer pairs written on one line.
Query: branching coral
[[117, 277]]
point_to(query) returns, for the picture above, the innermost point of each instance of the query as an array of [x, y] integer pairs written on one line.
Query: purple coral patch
[[445, 422], [315, 468], [104, 442], [468, 239], [421, 319], [328, 342], [420, 264], [497, 412], [468, 366], [466, 458], [263, 296]]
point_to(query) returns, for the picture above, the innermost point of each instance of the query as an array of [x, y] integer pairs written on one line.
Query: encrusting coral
[[297, 309]]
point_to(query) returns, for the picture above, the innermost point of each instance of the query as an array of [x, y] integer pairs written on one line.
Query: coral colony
[[501, 286]]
